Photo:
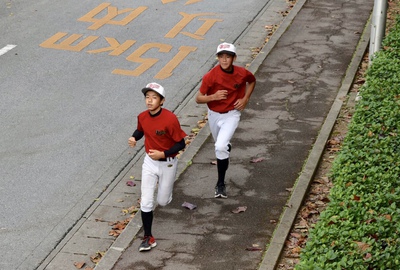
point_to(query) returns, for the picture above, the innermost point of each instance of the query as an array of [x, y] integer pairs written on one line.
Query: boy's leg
[[220, 190], [166, 181], [213, 124], [229, 123], [147, 219], [222, 167], [148, 184], [148, 187]]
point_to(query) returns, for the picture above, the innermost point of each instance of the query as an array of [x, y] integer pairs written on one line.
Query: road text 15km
[[112, 16]]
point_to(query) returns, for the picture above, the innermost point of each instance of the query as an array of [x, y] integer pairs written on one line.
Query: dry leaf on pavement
[[239, 209], [257, 159], [189, 206], [79, 265], [130, 183]]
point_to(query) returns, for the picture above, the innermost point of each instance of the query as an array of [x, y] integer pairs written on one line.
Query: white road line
[[6, 49]]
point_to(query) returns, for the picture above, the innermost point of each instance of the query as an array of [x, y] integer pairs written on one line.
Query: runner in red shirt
[[226, 89], [164, 138]]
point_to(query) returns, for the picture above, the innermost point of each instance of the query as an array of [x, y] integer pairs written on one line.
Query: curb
[[276, 246]]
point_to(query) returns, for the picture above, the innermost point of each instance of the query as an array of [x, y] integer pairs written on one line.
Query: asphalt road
[[70, 92]]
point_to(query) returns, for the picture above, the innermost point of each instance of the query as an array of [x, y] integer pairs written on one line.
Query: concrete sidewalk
[[302, 77]]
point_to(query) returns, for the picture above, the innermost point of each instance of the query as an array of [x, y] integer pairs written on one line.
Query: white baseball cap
[[154, 87], [226, 48]]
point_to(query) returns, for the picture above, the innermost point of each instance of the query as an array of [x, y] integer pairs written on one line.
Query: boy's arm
[[137, 135], [219, 95], [156, 155], [175, 148], [241, 103]]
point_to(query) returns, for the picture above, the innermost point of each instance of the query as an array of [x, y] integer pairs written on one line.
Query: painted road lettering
[[109, 13], [112, 12], [115, 47], [187, 18], [66, 44], [166, 71], [146, 63]]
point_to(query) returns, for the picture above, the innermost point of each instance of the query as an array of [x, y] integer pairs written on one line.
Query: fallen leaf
[[297, 235], [369, 221], [79, 265], [201, 123], [189, 206], [257, 159], [254, 248], [362, 246], [388, 217], [132, 209], [296, 250], [118, 227], [195, 130], [239, 209], [130, 183], [367, 256], [96, 258], [114, 233], [188, 141]]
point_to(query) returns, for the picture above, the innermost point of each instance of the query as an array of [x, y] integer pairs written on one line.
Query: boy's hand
[[220, 94], [155, 154], [132, 142], [241, 104]]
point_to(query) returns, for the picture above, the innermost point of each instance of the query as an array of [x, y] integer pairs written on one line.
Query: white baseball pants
[[223, 126], [156, 172]]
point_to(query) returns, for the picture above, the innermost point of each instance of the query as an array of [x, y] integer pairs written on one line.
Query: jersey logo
[[160, 132], [236, 85]]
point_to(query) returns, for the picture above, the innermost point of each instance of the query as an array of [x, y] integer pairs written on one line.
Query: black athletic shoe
[[220, 192], [148, 243]]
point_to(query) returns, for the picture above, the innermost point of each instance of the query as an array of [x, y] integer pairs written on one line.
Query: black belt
[[166, 159]]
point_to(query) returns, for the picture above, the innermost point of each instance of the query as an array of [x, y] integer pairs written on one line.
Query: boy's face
[[153, 101], [226, 61]]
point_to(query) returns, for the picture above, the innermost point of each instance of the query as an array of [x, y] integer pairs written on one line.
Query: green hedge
[[360, 228]]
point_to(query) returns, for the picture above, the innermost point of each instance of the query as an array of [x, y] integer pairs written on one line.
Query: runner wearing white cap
[[164, 138], [226, 89]]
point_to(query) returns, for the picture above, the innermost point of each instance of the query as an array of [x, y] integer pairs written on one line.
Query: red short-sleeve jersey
[[235, 82], [161, 131]]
